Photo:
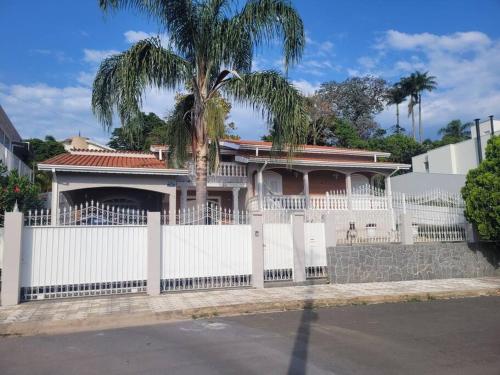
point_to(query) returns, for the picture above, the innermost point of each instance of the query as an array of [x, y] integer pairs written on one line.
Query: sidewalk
[[82, 314]]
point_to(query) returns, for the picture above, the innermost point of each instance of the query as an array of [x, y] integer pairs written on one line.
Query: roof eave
[[116, 170], [329, 163]]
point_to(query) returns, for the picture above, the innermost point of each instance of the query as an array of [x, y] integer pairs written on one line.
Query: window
[[426, 165]]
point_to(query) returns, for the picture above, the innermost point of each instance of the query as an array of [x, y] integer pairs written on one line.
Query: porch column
[[172, 202], [260, 189], [348, 188], [236, 196], [54, 208], [184, 196], [306, 187]]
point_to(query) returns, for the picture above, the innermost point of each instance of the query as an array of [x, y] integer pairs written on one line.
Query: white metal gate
[[60, 262], [205, 256]]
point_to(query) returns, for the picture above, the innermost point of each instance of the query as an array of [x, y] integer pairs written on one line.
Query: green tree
[[43, 149], [15, 188], [455, 131], [396, 95], [401, 147], [356, 100], [482, 193], [346, 135], [210, 52], [139, 133]]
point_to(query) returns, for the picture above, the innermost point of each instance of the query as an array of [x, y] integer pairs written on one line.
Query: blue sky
[[51, 50]]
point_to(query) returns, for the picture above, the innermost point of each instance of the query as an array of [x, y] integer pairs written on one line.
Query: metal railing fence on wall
[[87, 214], [436, 216], [75, 261], [207, 215]]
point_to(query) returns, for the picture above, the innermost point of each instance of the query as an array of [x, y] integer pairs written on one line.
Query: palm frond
[[122, 79], [266, 20], [179, 128]]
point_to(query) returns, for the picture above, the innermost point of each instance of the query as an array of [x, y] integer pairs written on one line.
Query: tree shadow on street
[[298, 361]]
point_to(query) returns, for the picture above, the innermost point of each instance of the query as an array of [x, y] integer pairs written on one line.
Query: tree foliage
[[43, 149], [15, 188], [482, 193], [139, 133], [356, 100]]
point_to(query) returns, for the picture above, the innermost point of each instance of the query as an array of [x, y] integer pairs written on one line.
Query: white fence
[[278, 247], [205, 256], [60, 262], [370, 215]]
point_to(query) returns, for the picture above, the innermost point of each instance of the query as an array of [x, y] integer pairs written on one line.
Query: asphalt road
[[437, 337]]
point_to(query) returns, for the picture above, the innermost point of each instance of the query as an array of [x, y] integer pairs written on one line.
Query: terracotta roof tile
[[105, 161]]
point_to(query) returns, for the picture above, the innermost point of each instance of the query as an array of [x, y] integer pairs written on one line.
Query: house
[[83, 143], [250, 175], [446, 167], [13, 151]]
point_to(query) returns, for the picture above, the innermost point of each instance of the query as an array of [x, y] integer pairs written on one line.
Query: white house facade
[[446, 167], [12, 148]]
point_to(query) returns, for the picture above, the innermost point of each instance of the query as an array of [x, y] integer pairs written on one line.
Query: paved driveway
[[437, 337]]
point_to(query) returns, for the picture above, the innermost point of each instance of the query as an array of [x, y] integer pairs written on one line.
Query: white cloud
[[306, 87], [465, 65], [456, 42], [133, 36], [96, 56]]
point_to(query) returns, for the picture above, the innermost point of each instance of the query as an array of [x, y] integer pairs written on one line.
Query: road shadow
[[299, 359]]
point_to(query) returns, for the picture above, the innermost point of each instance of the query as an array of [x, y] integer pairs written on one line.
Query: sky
[[51, 50]]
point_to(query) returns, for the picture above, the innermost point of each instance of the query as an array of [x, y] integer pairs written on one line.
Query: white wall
[[456, 158], [418, 182]]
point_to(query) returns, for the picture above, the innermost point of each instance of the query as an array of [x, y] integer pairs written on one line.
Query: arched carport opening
[[118, 197]]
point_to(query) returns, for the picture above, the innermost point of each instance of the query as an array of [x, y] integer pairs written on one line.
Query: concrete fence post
[[330, 230], [11, 272], [471, 234], [154, 256], [406, 230], [257, 234], [299, 248]]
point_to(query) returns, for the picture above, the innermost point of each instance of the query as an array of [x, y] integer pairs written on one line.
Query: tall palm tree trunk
[[414, 131], [420, 117], [397, 118], [201, 152]]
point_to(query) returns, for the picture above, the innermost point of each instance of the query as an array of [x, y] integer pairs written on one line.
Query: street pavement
[[459, 336]]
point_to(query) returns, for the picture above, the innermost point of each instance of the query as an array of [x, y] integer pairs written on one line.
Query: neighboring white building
[[446, 167], [84, 143], [12, 148]]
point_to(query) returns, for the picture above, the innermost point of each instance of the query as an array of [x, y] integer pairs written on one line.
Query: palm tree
[[209, 53], [409, 87], [423, 82], [396, 95], [455, 131]]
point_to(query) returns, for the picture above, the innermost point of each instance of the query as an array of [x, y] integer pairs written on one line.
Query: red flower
[[16, 189]]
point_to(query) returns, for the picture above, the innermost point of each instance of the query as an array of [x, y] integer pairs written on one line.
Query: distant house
[[83, 143], [250, 175], [13, 151], [446, 167]]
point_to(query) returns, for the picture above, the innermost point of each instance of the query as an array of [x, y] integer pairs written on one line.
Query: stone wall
[[422, 261]]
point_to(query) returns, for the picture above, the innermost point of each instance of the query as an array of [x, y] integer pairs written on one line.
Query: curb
[[143, 319]]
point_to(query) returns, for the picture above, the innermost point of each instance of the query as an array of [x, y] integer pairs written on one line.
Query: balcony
[[228, 173], [326, 202]]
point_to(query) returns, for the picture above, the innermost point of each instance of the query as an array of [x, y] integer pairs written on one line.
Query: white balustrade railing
[[224, 169]]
